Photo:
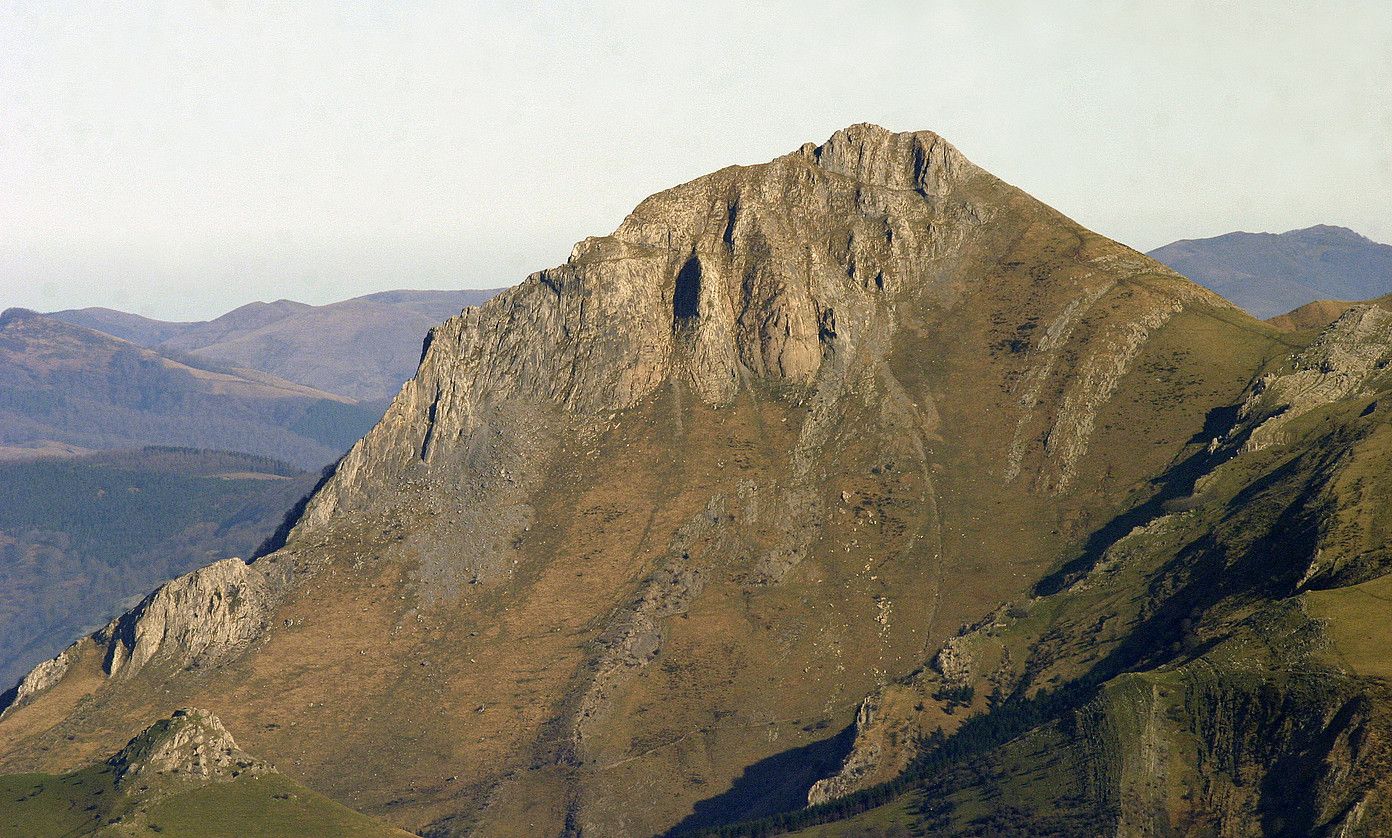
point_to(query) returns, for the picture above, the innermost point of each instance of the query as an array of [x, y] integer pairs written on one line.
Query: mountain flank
[[82, 539], [858, 479], [1215, 664], [142, 331], [1269, 274]]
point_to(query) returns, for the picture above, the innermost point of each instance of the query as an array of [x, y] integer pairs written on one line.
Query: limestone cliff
[[38, 679], [743, 274], [1342, 360], [196, 618]]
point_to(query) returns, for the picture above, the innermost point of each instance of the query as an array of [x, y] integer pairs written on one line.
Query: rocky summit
[[191, 745], [858, 479]]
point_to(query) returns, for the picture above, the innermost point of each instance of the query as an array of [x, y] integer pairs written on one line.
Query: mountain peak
[[15, 314], [626, 496], [917, 160], [1330, 233], [712, 283], [1270, 274], [191, 744]]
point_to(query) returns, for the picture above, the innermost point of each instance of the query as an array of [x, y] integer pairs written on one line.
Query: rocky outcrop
[[749, 273], [1047, 348], [1100, 373], [1342, 360], [196, 618], [40, 678], [1087, 361], [862, 763], [954, 663], [189, 746], [893, 725]]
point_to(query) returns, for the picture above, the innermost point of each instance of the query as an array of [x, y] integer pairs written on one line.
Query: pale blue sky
[[180, 159]]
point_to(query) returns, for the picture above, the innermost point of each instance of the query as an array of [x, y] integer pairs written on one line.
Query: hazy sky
[[180, 159]]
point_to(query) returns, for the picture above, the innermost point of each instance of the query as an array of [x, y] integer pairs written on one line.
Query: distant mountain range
[[1269, 274], [362, 348], [63, 385], [287, 380]]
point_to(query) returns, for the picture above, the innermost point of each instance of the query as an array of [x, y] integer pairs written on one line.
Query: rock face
[[37, 680], [860, 768], [189, 746], [643, 532], [954, 663], [198, 617], [195, 619], [712, 284], [1341, 362], [1099, 377]]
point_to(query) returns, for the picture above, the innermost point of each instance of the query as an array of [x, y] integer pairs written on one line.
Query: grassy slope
[[1315, 315], [1361, 637], [86, 803], [1189, 674]]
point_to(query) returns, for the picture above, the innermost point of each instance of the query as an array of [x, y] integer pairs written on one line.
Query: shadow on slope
[[1249, 552], [777, 784], [1176, 487], [277, 539]]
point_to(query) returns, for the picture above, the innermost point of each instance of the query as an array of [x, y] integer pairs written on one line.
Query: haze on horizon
[[180, 161]]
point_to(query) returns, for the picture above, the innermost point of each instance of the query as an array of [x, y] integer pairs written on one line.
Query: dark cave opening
[[686, 296]]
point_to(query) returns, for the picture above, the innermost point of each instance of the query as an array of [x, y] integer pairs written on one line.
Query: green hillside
[[1219, 665], [86, 803], [182, 776]]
